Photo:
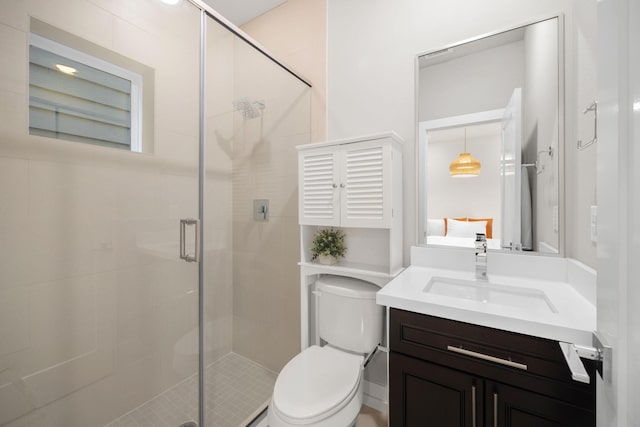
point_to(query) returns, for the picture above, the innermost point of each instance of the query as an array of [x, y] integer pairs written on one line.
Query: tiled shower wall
[[258, 157], [266, 275], [97, 314], [302, 45], [266, 295]]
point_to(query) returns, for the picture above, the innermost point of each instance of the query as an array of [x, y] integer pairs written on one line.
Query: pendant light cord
[[465, 140]]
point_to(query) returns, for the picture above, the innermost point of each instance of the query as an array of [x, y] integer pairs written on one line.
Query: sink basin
[[491, 293]]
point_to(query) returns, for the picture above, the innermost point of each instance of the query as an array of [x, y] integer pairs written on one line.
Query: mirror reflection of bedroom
[[461, 207], [490, 141]]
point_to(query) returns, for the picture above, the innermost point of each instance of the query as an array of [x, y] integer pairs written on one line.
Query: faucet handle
[[481, 241]]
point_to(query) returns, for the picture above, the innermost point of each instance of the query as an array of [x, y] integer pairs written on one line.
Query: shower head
[[249, 109]]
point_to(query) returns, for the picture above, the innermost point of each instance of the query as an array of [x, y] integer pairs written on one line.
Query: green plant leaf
[[328, 241]]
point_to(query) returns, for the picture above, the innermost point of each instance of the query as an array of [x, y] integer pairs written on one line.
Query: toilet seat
[[317, 383]]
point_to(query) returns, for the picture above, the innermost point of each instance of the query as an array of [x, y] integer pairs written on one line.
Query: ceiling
[[242, 11]]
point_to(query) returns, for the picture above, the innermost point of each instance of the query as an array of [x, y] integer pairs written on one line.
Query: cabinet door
[[365, 183], [318, 179], [513, 407], [422, 394]]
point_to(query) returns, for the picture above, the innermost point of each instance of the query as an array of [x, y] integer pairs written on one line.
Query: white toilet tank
[[349, 317]]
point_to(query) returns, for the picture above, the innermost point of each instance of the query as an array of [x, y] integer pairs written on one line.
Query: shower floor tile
[[235, 387]]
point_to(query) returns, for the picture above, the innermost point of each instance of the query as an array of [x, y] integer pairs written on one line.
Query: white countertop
[[574, 321]]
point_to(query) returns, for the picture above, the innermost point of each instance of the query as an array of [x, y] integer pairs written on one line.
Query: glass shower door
[[256, 112], [98, 313]]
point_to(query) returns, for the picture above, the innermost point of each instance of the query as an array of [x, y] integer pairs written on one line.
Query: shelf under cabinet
[[346, 267]]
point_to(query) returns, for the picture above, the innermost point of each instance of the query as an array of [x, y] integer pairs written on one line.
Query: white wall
[[619, 207], [481, 81], [371, 69], [581, 165]]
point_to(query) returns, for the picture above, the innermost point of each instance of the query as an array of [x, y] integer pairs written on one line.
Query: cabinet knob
[[334, 185], [342, 185]]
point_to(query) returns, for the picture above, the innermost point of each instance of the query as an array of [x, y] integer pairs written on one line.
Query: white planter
[[327, 259]]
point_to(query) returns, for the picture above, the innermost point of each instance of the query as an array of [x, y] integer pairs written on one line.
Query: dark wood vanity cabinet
[[440, 376]]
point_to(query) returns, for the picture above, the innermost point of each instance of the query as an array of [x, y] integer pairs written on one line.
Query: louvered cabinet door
[[319, 202], [365, 185]]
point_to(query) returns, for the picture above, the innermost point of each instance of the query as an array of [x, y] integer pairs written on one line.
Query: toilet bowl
[[323, 386], [320, 387]]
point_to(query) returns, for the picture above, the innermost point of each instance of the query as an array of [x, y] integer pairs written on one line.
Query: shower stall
[[138, 286]]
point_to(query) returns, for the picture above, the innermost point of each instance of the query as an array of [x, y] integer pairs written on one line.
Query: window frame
[[107, 67]]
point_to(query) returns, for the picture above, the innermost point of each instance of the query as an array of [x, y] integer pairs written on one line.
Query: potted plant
[[328, 246]]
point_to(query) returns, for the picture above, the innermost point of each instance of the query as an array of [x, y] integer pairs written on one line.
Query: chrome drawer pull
[[487, 357]]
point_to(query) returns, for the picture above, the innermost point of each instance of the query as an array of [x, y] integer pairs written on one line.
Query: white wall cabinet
[[351, 183], [354, 184]]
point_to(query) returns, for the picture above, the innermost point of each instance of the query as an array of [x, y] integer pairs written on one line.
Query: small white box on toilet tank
[[349, 317]]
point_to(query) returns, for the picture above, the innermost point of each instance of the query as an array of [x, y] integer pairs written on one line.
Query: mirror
[[499, 99]]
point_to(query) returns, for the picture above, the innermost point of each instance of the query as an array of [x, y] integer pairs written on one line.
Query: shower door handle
[[183, 231]]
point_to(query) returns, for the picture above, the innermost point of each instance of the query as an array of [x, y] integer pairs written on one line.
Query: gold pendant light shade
[[465, 165]]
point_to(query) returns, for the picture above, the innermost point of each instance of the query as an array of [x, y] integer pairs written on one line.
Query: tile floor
[[235, 387]]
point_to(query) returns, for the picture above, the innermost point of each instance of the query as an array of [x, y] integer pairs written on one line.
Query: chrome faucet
[[481, 256]]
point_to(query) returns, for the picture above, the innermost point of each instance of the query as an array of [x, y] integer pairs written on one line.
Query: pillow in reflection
[[465, 229]]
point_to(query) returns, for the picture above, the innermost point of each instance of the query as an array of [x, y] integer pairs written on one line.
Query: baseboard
[[376, 397]]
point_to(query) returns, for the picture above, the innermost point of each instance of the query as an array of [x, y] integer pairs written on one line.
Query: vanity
[[504, 336], [492, 323], [465, 352], [449, 373]]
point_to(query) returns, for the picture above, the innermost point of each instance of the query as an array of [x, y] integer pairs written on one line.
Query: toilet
[[322, 386]]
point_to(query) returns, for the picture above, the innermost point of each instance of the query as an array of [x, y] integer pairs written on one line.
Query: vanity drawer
[[464, 344]]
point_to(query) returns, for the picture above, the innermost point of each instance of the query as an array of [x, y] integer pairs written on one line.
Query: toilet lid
[[316, 383]]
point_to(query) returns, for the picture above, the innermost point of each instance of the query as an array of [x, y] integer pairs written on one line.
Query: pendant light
[[464, 166]]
